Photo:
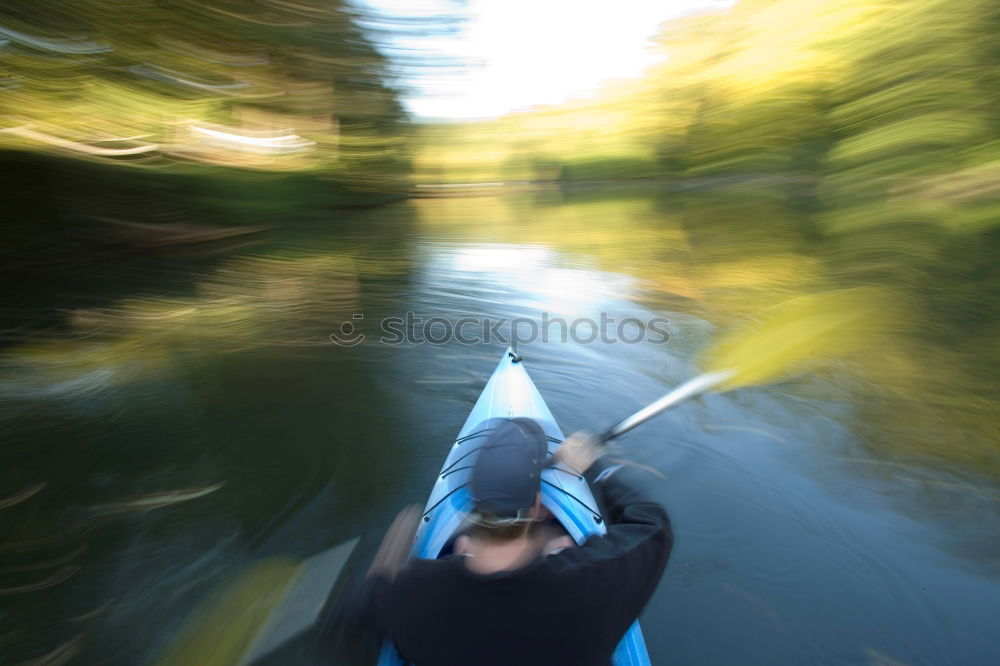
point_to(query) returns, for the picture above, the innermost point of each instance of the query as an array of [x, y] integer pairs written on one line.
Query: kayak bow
[[510, 393]]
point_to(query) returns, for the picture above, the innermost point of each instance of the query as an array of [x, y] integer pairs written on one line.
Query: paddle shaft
[[689, 389]]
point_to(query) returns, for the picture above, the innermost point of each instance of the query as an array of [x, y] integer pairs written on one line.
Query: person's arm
[[354, 614], [628, 561], [581, 453]]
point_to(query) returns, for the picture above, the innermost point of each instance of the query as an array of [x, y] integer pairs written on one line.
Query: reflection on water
[[161, 440]]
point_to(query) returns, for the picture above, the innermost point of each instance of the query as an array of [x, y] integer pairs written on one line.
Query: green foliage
[[258, 85], [607, 167]]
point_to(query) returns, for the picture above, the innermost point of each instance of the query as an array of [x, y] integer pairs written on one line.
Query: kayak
[[510, 393]]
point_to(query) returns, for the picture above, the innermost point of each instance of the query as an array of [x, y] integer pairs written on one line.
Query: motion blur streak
[[150, 69], [198, 193], [801, 334]]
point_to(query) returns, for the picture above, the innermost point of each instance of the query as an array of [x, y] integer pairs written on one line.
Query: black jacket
[[568, 608]]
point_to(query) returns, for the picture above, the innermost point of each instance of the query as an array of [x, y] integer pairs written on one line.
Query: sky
[[522, 53]]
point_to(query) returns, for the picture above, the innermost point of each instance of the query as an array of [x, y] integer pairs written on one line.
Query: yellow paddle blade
[[222, 631], [799, 333], [262, 609]]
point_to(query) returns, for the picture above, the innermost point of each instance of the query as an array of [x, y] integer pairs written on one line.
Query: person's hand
[[395, 548], [579, 451]]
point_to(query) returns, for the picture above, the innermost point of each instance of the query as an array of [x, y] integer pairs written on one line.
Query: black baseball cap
[[507, 473]]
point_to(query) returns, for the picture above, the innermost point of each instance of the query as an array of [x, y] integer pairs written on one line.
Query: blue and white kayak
[[510, 393]]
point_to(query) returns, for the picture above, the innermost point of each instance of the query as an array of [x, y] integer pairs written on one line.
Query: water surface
[[170, 418]]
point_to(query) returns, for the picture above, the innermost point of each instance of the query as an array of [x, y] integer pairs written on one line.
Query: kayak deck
[[510, 393]]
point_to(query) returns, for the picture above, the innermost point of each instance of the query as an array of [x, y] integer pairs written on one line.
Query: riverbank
[[61, 209], [799, 184]]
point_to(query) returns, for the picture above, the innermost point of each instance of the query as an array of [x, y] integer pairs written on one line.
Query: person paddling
[[515, 591]]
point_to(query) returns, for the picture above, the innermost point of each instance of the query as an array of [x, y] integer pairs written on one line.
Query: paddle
[[792, 335], [262, 610]]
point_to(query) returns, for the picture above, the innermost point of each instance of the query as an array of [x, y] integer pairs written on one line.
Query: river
[[170, 418]]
